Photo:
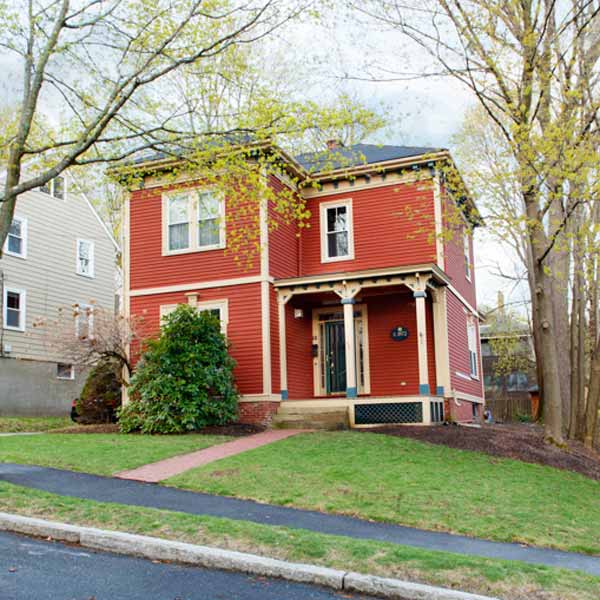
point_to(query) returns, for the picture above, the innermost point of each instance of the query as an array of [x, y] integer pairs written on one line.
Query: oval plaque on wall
[[399, 333]]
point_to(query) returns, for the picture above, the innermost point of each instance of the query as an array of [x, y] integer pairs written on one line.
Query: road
[[33, 569]]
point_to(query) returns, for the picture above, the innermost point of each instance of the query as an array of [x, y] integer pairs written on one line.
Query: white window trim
[[323, 207], [23, 221], [193, 223], [23, 310], [71, 376], [92, 273], [222, 305], [80, 308]]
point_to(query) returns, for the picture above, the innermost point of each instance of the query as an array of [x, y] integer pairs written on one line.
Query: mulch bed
[[233, 430], [522, 441]]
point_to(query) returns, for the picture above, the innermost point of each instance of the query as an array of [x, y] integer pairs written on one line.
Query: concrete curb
[[228, 560]]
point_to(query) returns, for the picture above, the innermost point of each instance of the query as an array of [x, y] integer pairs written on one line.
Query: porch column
[[440, 340], [420, 296], [351, 387], [281, 302]]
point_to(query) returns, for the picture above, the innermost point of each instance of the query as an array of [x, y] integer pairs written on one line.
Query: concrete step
[[286, 409], [312, 419]]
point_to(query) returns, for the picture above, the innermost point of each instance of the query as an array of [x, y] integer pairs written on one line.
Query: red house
[[367, 316]]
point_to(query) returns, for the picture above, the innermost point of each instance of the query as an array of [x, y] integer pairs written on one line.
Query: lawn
[[99, 453], [22, 424], [399, 480], [510, 580]]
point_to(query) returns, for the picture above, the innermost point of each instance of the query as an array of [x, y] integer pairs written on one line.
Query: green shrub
[[184, 380], [100, 397]]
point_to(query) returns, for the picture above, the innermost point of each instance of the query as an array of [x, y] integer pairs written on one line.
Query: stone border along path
[[134, 493], [169, 467]]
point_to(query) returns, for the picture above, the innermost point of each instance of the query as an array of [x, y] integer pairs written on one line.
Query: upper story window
[[16, 241], [179, 222], [13, 313], [218, 308], [84, 321], [337, 239], [472, 343], [55, 187], [85, 258], [206, 209], [467, 253]]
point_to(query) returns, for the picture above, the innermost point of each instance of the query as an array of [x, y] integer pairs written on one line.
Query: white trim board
[[199, 285]]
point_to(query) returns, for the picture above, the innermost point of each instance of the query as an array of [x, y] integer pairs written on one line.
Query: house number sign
[[399, 333]]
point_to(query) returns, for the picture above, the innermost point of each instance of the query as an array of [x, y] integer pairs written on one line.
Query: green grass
[[99, 453], [399, 480], [506, 579], [22, 424]]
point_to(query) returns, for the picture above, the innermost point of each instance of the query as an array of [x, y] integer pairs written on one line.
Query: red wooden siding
[[455, 261], [243, 329], [393, 225], [459, 349], [150, 269], [394, 365], [284, 242], [299, 357]]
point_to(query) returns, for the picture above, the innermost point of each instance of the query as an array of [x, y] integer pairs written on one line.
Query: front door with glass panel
[[335, 357], [330, 363]]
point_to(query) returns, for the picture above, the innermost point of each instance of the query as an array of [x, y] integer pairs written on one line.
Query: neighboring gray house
[[59, 259]]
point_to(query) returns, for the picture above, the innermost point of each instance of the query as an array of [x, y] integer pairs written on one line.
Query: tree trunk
[[580, 399], [574, 353], [593, 400], [544, 323]]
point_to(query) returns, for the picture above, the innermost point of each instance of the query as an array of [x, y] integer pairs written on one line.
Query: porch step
[[311, 418]]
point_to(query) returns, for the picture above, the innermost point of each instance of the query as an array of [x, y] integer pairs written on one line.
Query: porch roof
[[393, 274]]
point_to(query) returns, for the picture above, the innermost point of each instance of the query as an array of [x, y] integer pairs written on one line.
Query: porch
[[364, 348]]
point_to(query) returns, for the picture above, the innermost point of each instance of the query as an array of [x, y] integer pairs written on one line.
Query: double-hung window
[[55, 187], [178, 222], [337, 240], [16, 241], [13, 309], [203, 207], [85, 258], [472, 343], [467, 253], [209, 219], [217, 308], [84, 321]]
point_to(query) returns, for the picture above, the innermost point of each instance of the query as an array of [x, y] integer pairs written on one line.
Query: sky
[[337, 53], [421, 112]]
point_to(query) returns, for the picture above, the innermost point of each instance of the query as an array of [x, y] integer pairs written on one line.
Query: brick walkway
[[163, 469]]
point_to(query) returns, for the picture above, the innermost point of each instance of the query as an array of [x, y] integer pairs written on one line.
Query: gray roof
[[358, 154]]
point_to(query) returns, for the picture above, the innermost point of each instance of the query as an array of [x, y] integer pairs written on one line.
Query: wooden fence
[[509, 407]]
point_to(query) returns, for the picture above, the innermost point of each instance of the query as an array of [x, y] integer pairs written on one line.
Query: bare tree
[[86, 335], [533, 68], [100, 66]]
